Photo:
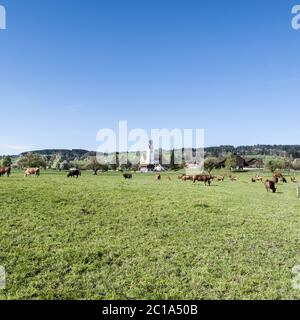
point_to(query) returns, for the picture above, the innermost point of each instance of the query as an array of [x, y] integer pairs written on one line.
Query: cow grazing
[[74, 173], [32, 171], [203, 177], [278, 175], [5, 170], [220, 178], [270, 185], [258, 178], [127, 176], [186, 178], [233, 178]]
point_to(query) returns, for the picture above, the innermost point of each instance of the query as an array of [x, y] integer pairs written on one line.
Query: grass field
[[100, 237]]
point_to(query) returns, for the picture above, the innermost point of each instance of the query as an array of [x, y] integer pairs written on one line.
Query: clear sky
[[69, 68]]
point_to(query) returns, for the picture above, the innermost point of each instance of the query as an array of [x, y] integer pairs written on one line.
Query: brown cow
[[5, 170], [270, 185], [278, 175], [186, 178], [220, 178], [32, 171], [293, 179], [203, 177], [258, 178]]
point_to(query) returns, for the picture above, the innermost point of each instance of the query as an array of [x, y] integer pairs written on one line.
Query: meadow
[[101, 237]]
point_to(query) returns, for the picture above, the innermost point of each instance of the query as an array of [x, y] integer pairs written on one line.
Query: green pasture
[[101, 237]]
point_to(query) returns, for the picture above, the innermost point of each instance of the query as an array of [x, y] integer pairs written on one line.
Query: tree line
[[58, 162]]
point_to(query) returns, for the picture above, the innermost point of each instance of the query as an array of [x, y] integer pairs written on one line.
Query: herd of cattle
[[270, 184], [36, 172]]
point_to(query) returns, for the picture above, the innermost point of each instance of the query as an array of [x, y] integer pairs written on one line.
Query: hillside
[[289, 151]]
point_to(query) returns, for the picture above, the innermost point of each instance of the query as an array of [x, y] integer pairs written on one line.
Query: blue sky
[[69, 68]]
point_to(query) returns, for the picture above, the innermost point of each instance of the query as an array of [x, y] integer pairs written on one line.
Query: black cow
[[127, 176], [74, 173]]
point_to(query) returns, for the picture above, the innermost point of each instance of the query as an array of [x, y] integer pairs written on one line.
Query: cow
[[203, 177], [270, 185], [127, 176], [74, 173], [5, 170], [233, 178], [278, 175], [293, 179], [220, 178], [32, 171], [186, 178], [258, 178]]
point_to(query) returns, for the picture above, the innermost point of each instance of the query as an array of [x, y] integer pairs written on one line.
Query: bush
[[273, 164]]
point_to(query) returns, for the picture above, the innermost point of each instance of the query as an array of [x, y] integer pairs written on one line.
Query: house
[[255, 163], [242, 163]]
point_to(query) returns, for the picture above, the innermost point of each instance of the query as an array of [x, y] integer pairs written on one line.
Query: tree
[[31, 160], [210, 164], [230, 162], [6, 161], [272, 164], [94, 165], [64, 165], [296, 164], [172, 160], [55, 161], [160, 156]]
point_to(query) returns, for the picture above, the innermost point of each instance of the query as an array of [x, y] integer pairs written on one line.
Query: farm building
[[254, 163], [242, 163]]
